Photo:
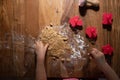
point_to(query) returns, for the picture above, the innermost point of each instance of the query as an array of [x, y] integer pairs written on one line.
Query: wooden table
[[26, 18]]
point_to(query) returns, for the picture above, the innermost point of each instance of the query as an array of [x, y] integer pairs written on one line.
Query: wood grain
[[26, 18]]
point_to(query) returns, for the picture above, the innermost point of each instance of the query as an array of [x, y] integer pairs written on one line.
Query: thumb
[[93, 53], [46, 46]]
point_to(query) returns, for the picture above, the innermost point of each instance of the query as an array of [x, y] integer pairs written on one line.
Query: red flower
[[79, 23], [107, 49], [74, 21], [91, 32], [107, 19]]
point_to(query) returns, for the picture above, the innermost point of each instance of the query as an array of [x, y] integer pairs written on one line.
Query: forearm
[[40, 70], [109, 72]]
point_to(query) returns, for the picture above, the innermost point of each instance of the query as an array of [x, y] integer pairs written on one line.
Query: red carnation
[[75, 21], [91, 32], [79, 23], [107, 49], [107, 19]]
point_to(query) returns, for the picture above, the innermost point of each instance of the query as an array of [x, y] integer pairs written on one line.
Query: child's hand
[[98, 57], [40, 50]]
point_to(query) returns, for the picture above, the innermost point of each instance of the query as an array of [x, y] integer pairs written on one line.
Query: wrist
[[40, 60], [41, 63], [104, 66]]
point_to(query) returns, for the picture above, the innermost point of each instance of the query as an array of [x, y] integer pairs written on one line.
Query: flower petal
[[107, 19], [107, 49], [79, 23], [91, 32], [74, 21]]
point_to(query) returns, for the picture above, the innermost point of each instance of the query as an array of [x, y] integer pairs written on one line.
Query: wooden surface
[[22, 20]]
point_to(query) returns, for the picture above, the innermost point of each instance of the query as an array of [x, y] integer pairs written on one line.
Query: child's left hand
[[40, 50]]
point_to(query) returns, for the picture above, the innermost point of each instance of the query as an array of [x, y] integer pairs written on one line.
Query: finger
[[41, 43], [94, 49], [97, 51], [88, 54], [46, 46], [93, 53], [35, 42]]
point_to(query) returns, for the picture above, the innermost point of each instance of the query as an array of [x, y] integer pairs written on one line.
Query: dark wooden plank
[[6, 56]]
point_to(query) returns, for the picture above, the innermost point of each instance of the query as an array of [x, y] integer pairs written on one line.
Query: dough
[[58, 46]]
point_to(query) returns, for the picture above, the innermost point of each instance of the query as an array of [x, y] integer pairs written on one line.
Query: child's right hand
[[98, 57]]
